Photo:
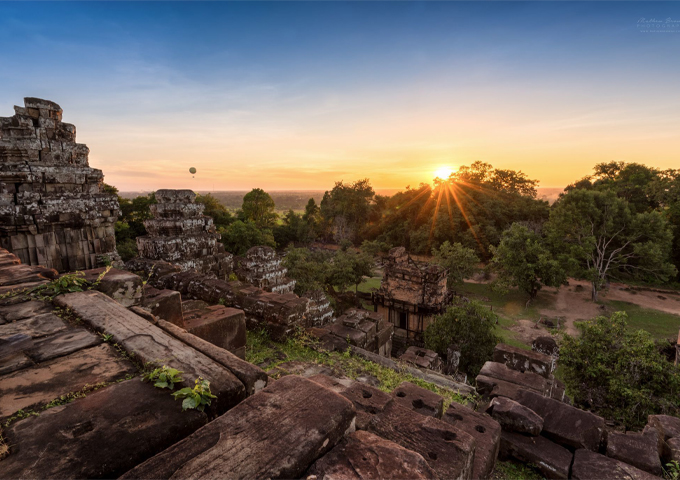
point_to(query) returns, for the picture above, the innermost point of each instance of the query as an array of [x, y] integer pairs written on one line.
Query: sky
[[299, 95]]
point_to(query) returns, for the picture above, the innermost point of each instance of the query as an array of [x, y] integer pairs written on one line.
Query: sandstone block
[[62, 343], [527, 379], [165, 304], [589, 465], [524, 360], [222, 326], [514, 417], [419, 399], [100, 436], [123, 286], [448, 451], [309, 420], [551, 459], [485, 430], [636, 449], [364, 456]]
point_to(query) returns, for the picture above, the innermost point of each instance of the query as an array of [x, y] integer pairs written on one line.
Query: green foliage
[[522, 260], [460, 261], [374, 247], [240, 236], [347, 268], [130, 225], [163, 377], [597, 237], [672, 470], [513, 470], [214, 209], [345, 209], [195, 398], [469, 325], [308, 268], [20, 415], [258, 207], [619, 374], [261, 350], [294, 229]]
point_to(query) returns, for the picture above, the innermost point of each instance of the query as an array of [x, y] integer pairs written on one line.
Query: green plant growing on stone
[[672, 470], [107, 337], [19, 415], [163, 377], [195, 398]]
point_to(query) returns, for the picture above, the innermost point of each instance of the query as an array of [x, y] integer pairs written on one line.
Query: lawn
[[369, 284], [660, 324]]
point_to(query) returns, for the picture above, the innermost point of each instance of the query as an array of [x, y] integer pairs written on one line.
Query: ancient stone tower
[[262, 267], [53, 210], [179, 233]]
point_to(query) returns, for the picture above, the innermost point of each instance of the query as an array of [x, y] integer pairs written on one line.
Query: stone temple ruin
[[262, 267], [53, 211], [411, 294], [181, 234], [72, 404]]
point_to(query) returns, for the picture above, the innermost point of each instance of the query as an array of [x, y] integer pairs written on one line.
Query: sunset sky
[[292, 95]]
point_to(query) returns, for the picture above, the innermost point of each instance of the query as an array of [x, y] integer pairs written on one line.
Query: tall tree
[[522, 260], [213, 208], [240, 236], [461, 262], [597, 237], [346, 207], [258, 206]]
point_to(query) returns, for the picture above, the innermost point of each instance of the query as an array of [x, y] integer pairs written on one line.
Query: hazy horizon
[[298, 95]]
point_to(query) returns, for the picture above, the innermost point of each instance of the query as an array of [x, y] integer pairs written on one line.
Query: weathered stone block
[[527, 379], [524, 360], [419, 399], [448, 451], [123, 286], [100, 436], [637, 449], [365, 456], [47, 381], [62, 343], [165, 304], [309, 420], [221, 326], [514, 417], [486, 432], [38, 326], [368, 401], [551, 459], [590, 465]]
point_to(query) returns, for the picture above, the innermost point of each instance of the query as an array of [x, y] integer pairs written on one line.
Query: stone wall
[[53, 210], [262, 268], [179, 233]]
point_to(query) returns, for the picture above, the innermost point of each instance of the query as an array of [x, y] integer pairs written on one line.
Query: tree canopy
[[461, 262], [258, 207], [597, 237], [522, 260]]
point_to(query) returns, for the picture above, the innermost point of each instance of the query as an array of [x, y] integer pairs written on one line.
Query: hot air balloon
[[192, 171]]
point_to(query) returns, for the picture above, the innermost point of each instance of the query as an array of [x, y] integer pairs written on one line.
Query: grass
[[369, 284], [660, 325], [266, 353], [512, 470]]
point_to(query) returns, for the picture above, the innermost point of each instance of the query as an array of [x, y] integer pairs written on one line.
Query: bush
[[619, 374], [471, 326]]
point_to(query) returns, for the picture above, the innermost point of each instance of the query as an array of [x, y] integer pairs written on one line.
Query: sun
[[444, 172]]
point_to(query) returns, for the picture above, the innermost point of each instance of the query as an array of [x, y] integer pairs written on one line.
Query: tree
[[522, 260], [346, 207], [618, 373], [213, 208], [240, 236], [347, 268], [258, 206], [469, 325], [308, 268], [461, 262], [596, 236]]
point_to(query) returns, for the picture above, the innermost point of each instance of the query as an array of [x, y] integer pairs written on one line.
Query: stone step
[[276, 433], [222, 326], [100, 436], [43, 383], [62, 343], [151, 344], [35, 327], [419, 399], [365, 456], [10, 313], [590, 465], [253, 377], [526, 380]]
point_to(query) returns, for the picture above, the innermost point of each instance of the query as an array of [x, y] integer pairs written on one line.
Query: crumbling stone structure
[[179, 233], [53, 210], [411, 293], [361, 328], [262, 267], [319, 311]]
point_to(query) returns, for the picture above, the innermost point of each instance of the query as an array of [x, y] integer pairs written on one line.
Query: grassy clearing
[[661, 325], [266, 353], [370, 284]]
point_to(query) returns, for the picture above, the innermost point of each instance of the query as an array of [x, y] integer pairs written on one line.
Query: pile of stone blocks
[[53, 209], [422, 358], [262, 268], [562, 441], [361, 328], [179, 233], [319, 311]]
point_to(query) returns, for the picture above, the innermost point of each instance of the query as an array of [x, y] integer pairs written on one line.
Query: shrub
[[164, 377], [469, 325], [198, 397], [619, 374]]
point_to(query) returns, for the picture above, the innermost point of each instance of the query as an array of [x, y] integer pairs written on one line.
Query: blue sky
[[300, 94]]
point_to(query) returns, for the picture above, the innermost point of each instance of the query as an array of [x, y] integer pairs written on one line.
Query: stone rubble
[[262, 268], [53, 209]]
